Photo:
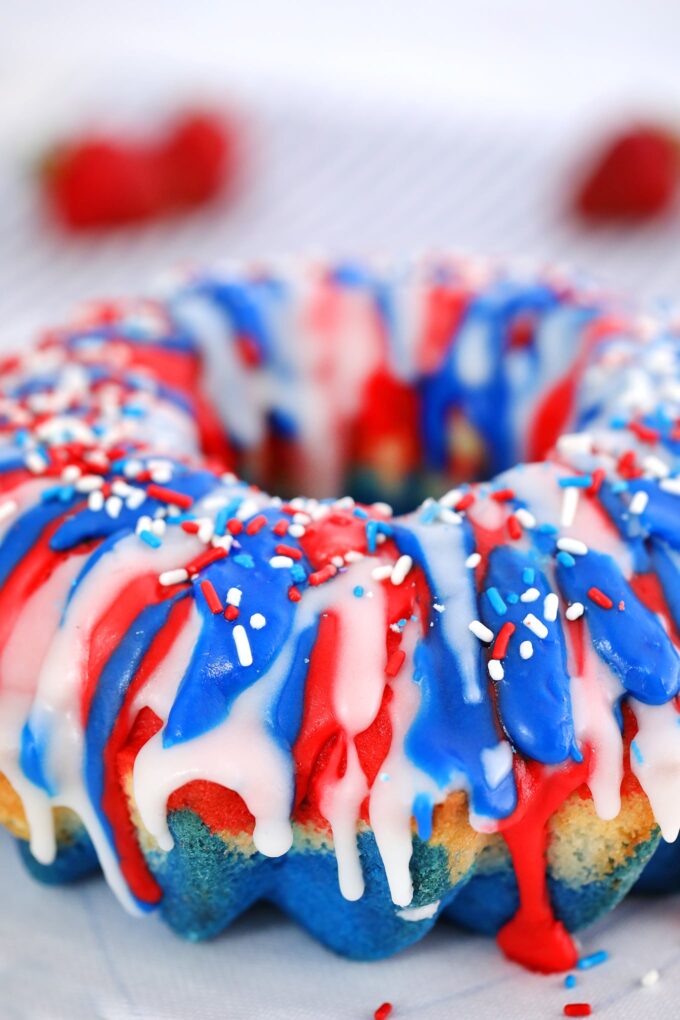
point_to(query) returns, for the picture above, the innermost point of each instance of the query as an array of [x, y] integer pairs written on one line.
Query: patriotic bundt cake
[[219, 696]]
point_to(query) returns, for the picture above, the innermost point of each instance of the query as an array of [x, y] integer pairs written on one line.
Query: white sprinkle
[[143, 524], [496, 671], [7, 508], [338, 561], [245, 656], [655, 466], [384, 509], [401, 569], [574, 611], [296, 531], [345, 503], [114, 505], [473, 560], [575, 442], [353, 556], [176, 576], [650, 978], [120, 488], [525, 518], [206, 529], [161, 475], [222, 542], [135, 499], [132, 468], [158, 527], [535, 625], [95, 501], [449, 516], [234, 596], [35, 462], [380, 538], [569, 506], [526, 649], [551, 604], [481, 631], [638, 503], [671, 485], [382, 572], [71, 473], [573, 546], [438, 607], [257, 621], [248, 508], [450, 498], [89, 483], [300, 518], [530, 595], [280, 562]]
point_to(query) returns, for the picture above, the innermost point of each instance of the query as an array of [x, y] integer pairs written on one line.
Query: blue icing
[[533, 696], [24, 533], [33, 754], [286, 717], [631, 641], [665, 563], [215, 676], [661, 516]]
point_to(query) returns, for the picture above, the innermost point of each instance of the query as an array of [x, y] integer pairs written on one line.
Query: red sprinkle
[[294, 594], [289, 550], [231, 612], [598, 478], [500, 645], [627, 465], [281, 528], [599, 598], [382, 1012], [395, 662], [578, 1009], [171, 496], [257, 524], [211, 597], [645, 433], [514, 528], [191, 527], [464, 502], [503, 495], [234, 526], [325, 574], [205, 559]]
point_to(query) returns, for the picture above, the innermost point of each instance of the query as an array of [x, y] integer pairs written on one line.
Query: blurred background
[[385, 128]]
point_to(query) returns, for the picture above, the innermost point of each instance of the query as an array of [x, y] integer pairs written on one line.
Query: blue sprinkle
[[637, 752], [575, 482], [547, 529], [371, 535], [528, 575], [496, 601], [149, 537], [402, 623], [132, 411], [619, 487], [430, 513], [512, 597], [565, 558], [594, 960], [298, 573], [359, 512], [244, 560], [570, 981], [359, 591]]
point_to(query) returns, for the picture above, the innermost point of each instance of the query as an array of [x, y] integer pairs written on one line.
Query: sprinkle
[[395, 662], [575, 442], [245, 656], [211, 596], [599, 476], [288, 550], [257, 621], [256, 524], [280, 562], [322, 575], [496, 671], [7, 508], [570, 981], [95, 501], [170, 577], [465, 502], [528, 575], [514, 527], [535, 625], [382, 572], [650, 978], [638, 503], [35, 462], [294, 594], [643, 432], [575, 611], [473, 560], [570, 502], [575, 482], [530, 595], [281, 528], [526, 650], [551, 604], [573, 546], [594, 960], [599, 598], [639, 757], [503, 495], [89, 483], [234, 526], [149, 537], [191, 527], [480, 631], [171, 496], [496, 601], [295, 530], [451, 498], [578, 1009], [158, 527], [525, 518], [500, 647], [401, 569], [671, 485], [512, 598], [113, 506], [654, 466], [566, 559], [383, 1012]]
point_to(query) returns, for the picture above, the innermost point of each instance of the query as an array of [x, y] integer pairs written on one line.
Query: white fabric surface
[[366, 133]]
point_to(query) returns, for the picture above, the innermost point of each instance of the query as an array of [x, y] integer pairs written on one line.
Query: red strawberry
[[634, 177]]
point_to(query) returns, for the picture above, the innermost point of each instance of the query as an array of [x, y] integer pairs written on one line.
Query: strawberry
[[98, 182], [634, 176]]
